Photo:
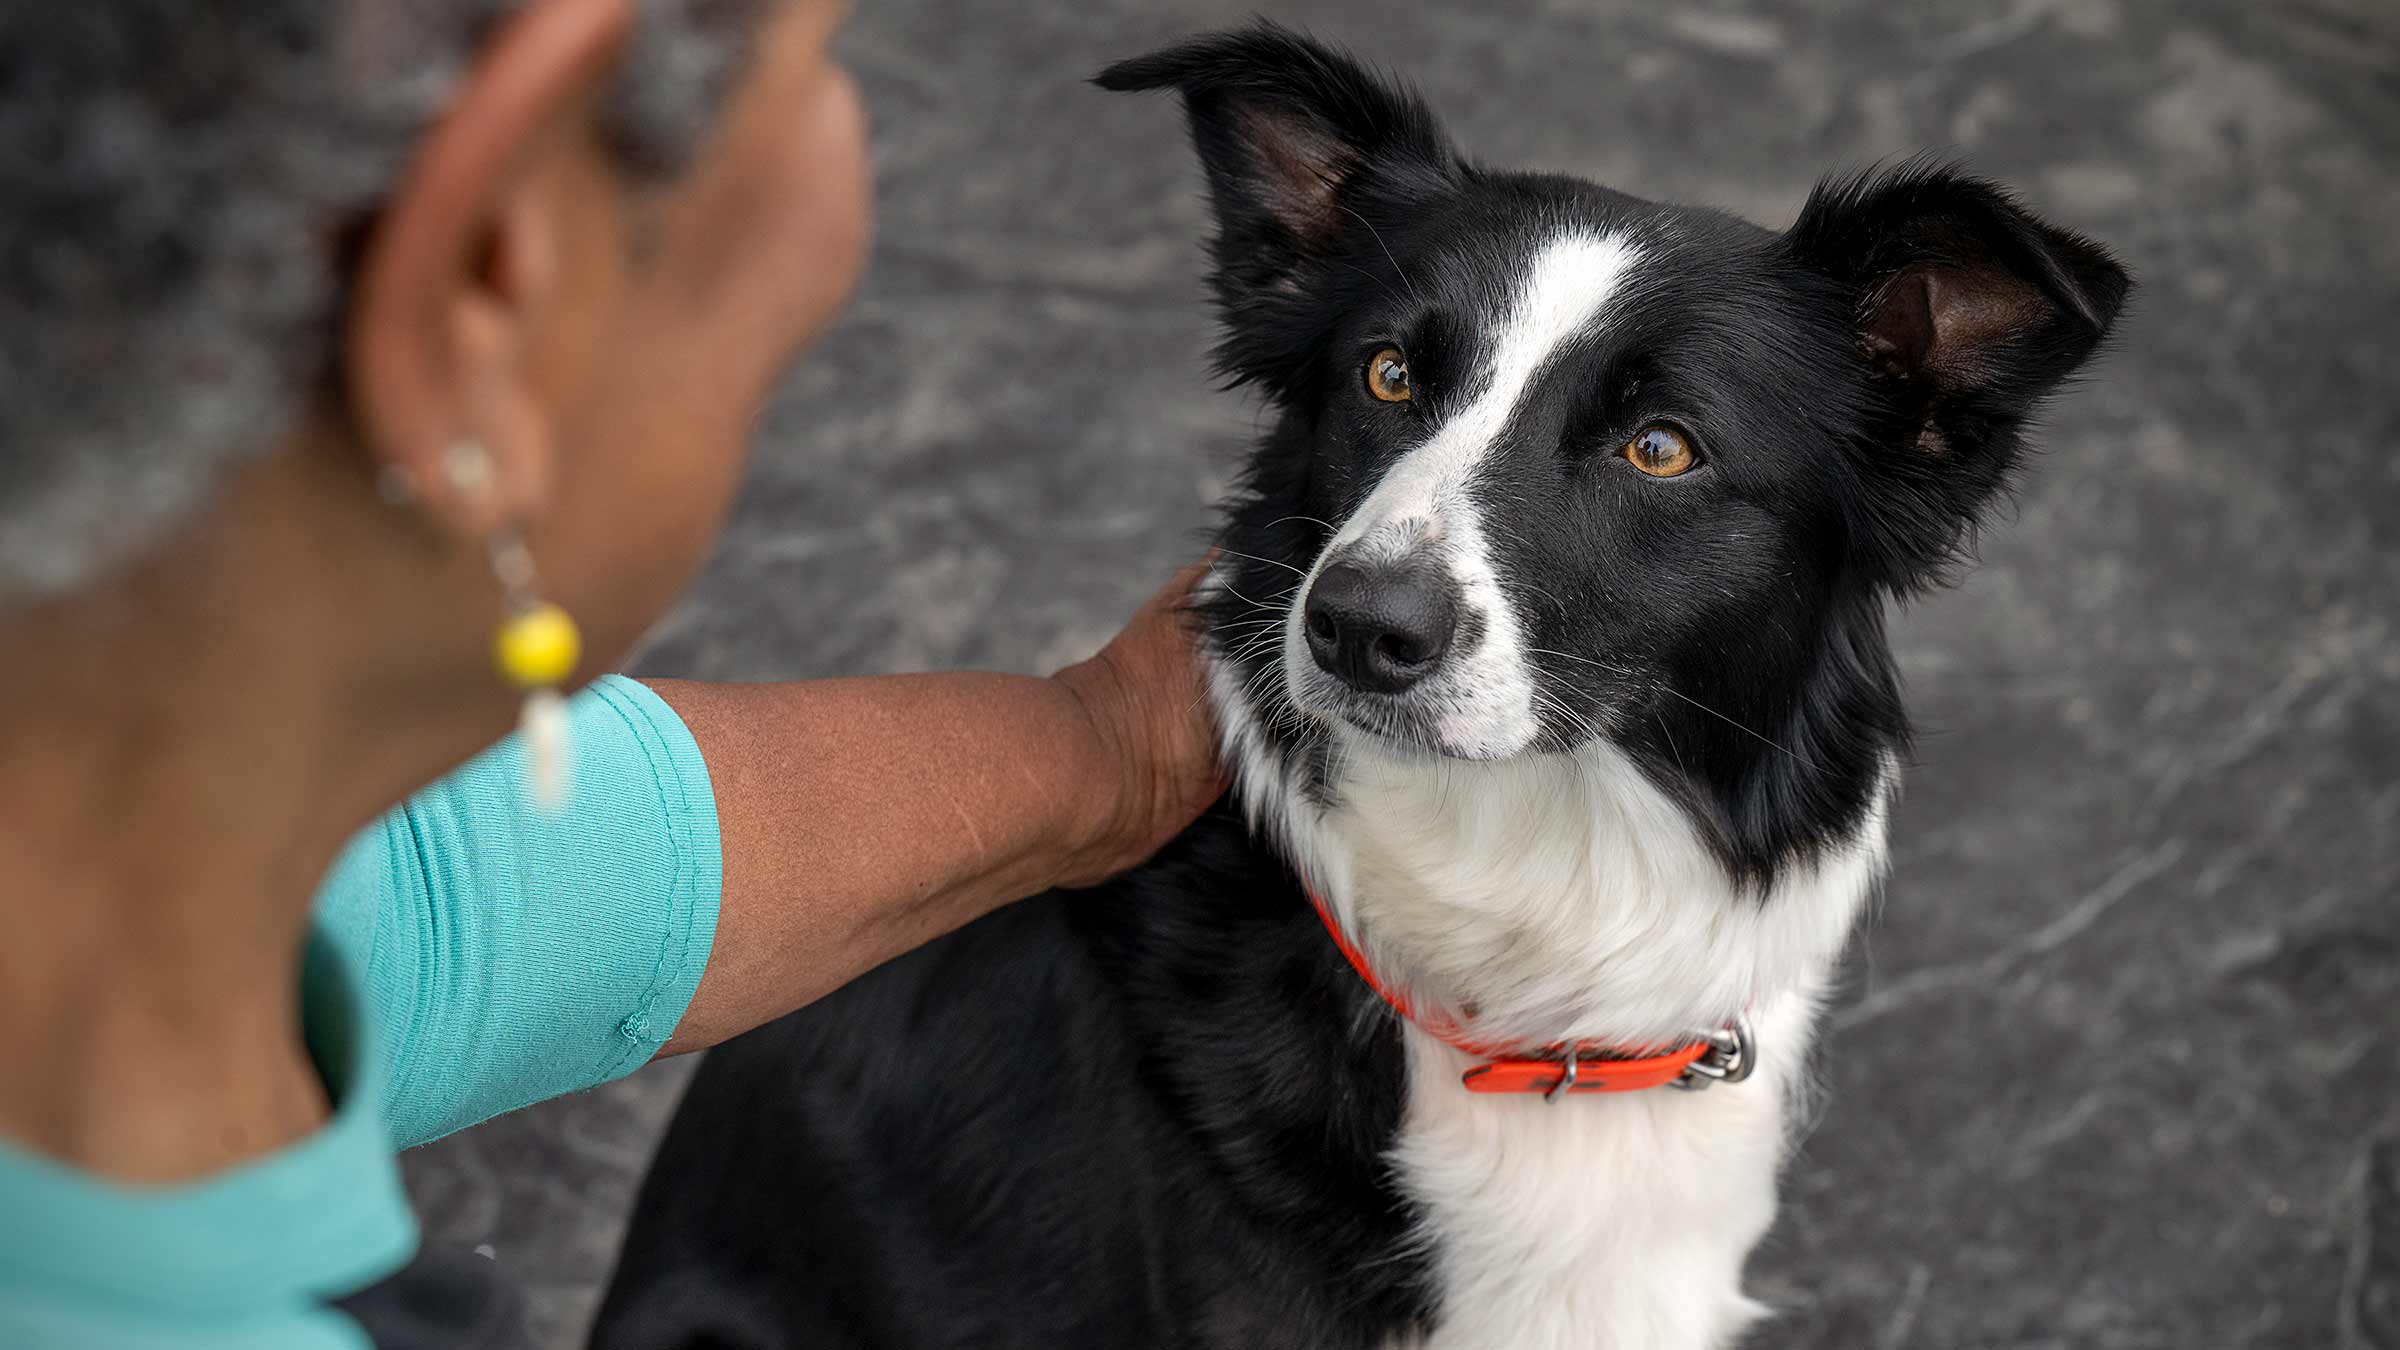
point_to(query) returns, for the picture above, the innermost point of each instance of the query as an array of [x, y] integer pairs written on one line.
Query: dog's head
[[1552, 463]]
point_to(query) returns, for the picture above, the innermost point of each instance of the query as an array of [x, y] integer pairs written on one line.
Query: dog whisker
[[1260, 604], [1328, 526], [1237, 553], [1764, 740]]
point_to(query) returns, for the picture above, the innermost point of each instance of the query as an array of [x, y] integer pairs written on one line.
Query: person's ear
[[1967, 312], [464, 270], [1305, 150]]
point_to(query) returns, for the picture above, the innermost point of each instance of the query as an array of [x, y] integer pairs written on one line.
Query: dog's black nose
[[1380, 629]]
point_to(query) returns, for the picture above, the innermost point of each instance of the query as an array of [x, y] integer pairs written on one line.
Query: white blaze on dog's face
[[1415, 638], [1553, 465]]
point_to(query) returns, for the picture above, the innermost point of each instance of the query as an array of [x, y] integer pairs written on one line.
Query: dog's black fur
[[1146, 1115], [1156, 1114]]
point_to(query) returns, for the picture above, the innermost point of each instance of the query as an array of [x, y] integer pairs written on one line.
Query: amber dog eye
[[1661, 451], [1387, 375]]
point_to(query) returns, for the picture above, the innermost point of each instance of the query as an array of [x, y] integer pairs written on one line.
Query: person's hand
[[1145, 696]]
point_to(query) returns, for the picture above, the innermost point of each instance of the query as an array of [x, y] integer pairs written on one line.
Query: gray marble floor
[[2116, 1065]]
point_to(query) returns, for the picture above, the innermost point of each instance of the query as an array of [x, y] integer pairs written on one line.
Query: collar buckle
[[1731, 1055]]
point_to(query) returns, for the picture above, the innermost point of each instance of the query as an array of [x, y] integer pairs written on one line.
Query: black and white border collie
[[1549, 647]]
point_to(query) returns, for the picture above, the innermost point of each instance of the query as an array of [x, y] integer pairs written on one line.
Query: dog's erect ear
[[1285, 126], [1299, 142], [1969, 311], [1962, 296]]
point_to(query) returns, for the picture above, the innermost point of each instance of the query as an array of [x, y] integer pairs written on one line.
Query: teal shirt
[[469, 957]]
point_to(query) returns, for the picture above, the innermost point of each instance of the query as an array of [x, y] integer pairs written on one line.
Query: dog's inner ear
[[1296, 168], [1937, 322]]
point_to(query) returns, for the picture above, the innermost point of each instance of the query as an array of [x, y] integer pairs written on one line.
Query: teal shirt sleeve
[[512, 956]]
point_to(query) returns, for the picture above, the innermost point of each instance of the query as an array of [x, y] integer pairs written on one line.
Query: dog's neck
[[1545, 898]]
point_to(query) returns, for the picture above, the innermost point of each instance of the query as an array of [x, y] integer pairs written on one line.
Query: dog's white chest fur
[[1619, 1221], [1562, 897]]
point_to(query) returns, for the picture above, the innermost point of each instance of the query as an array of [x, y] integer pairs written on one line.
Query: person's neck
[[183, 751]]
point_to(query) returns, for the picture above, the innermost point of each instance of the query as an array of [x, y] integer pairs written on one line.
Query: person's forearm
[[859, 818], [862, 817]]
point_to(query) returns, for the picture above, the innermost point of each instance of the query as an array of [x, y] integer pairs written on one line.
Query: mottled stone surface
[[2115, 1066]]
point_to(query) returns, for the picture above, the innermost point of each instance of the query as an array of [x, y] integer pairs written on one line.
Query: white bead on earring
[[468, 466]]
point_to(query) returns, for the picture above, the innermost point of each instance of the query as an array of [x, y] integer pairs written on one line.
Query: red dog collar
[[1588, 1066]]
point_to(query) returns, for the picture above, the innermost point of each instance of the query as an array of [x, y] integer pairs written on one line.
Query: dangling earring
[[536, 647]]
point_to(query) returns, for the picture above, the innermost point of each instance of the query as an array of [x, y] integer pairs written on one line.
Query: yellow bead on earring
[[538, 648]]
